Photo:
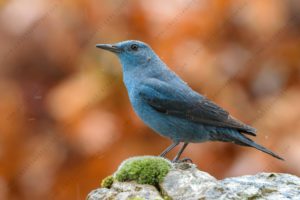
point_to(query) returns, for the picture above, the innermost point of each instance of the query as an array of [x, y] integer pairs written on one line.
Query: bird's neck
[[134, 73]]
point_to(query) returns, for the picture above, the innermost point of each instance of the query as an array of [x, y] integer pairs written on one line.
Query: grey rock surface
[[126, 190], [185, 182], [260, 186]]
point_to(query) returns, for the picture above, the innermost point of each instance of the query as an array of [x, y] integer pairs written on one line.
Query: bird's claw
[[182, 160]]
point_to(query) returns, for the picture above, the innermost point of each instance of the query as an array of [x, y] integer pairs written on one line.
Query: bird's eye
[[134, 47]]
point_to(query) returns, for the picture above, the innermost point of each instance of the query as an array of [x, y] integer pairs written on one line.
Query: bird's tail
[[244, 141]]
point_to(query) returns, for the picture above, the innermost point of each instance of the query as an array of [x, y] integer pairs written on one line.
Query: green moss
[[136, 198], [107, 182], [143, 170], [167, 198]]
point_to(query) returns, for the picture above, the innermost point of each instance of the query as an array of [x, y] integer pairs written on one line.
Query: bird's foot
[[182, 160]]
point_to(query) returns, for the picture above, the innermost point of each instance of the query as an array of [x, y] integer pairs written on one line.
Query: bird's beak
[[109, 47]]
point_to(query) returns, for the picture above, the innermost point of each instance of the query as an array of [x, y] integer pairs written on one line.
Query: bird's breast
[[143, 109]]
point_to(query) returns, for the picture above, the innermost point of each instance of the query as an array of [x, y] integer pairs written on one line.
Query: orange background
[[66, 121]]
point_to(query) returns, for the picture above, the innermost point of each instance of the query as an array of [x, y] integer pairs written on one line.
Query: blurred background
[[66, 121]]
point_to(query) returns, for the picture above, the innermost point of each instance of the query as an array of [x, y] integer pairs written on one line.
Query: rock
[[126, 190], [184, 181], [259, 186]]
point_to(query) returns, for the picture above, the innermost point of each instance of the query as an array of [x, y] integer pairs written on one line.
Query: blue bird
[[170, 107]]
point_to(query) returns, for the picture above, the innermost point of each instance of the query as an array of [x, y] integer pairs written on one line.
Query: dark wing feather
[[187, 104]]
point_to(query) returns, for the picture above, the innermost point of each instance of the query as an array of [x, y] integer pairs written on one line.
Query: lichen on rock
[[107, 182]]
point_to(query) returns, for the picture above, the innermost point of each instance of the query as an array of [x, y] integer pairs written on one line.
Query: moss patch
[[136, 198], [107, 182], [144, 170]]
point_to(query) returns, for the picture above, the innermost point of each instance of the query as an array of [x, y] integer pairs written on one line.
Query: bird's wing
[[184, 103]]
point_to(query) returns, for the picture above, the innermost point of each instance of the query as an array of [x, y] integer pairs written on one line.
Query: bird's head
[[132, 53]]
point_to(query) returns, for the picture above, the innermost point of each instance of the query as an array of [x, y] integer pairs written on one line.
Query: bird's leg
[[176, 159], [167, 150]]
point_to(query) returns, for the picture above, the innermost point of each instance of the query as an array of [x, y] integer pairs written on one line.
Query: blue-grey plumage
[[169, 106]]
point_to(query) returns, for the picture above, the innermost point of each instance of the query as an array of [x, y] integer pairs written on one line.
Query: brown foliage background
[[66, 121]]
